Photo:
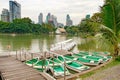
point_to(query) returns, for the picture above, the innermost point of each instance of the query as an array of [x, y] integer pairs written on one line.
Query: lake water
[[37, 43]]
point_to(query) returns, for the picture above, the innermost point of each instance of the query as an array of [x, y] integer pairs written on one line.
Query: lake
[[37, 43]]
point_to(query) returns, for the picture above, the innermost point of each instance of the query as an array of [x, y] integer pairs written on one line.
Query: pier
[[12, 69]]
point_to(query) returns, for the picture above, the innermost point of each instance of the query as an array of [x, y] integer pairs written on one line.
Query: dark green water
[[36, 43]]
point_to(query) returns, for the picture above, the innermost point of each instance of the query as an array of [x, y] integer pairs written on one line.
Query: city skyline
[[77, 9]]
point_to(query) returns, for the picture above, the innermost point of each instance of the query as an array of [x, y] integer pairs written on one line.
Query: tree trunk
[[116, 51]]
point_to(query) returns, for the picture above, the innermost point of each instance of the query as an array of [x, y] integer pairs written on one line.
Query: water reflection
[[93, 44], [36, 43], [15, 42]]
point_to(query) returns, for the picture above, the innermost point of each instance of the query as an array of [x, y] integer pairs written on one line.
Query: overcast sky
[[77, 9]]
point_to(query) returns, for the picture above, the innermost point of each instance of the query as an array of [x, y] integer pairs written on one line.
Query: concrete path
[[107, 74]]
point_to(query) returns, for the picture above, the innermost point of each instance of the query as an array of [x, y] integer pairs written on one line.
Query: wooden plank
[[21, 76], [18, 68], [11, 67], [16, 71], [34, 77]]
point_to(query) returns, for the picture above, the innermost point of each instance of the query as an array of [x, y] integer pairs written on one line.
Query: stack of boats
[[65, 45], [77, 61]]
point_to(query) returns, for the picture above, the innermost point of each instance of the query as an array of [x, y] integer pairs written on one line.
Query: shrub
[[118, 58]]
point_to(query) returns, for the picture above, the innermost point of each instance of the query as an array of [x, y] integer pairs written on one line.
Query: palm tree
[[109, 27], [111, 15], [111, 19], [107, 34], [96, 17]]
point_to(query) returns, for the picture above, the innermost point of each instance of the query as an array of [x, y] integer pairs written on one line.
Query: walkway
[[12, 69], [107, 74]]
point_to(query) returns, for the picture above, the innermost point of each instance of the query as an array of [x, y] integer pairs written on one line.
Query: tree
[[74, 30], [97, 17], [87, 28], [111, 19], [22, 25], [109, 27]]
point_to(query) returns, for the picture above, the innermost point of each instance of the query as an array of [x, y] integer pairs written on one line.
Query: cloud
[[60, 8]]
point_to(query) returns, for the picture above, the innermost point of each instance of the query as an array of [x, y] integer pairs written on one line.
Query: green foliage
[[109, 35], [111, 15], [111, 19], [107, 15], [118, 58], [25, 25], [74, 30], [109, 27], [87, 27], [97, 17]]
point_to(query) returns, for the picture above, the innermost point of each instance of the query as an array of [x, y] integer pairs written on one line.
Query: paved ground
[[107, 74]]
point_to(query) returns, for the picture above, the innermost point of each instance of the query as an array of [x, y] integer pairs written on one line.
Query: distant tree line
[[25, 25], [72, 30]]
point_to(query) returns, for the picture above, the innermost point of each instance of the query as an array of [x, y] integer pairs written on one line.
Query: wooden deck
[[12, 69]]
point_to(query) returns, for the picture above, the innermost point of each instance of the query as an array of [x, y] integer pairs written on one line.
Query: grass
[[109, 65]]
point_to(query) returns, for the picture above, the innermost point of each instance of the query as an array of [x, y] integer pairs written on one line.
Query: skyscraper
[[48, 17], [54, 20], [68, 17], [68, 21], [51, 19], [15, 10], [5, 15], [88, 16], [40, 19]]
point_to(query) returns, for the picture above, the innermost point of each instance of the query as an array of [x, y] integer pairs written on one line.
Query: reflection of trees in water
[[92, 44], [45, 41], [15, 42], [26, 41], [60, 38]]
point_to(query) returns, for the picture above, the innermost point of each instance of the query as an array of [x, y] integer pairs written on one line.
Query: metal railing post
[[64, 70], [32, 58], [53, 64], [16, 54], [25, 56], [20, 54]]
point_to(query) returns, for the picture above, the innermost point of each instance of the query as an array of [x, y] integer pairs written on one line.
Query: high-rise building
[[69, 22], [55, 22], [54, 19], [51, 19], [15, 10], [40, 19], [5, 15], [68, 17], [88, 16], [48, 17]]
